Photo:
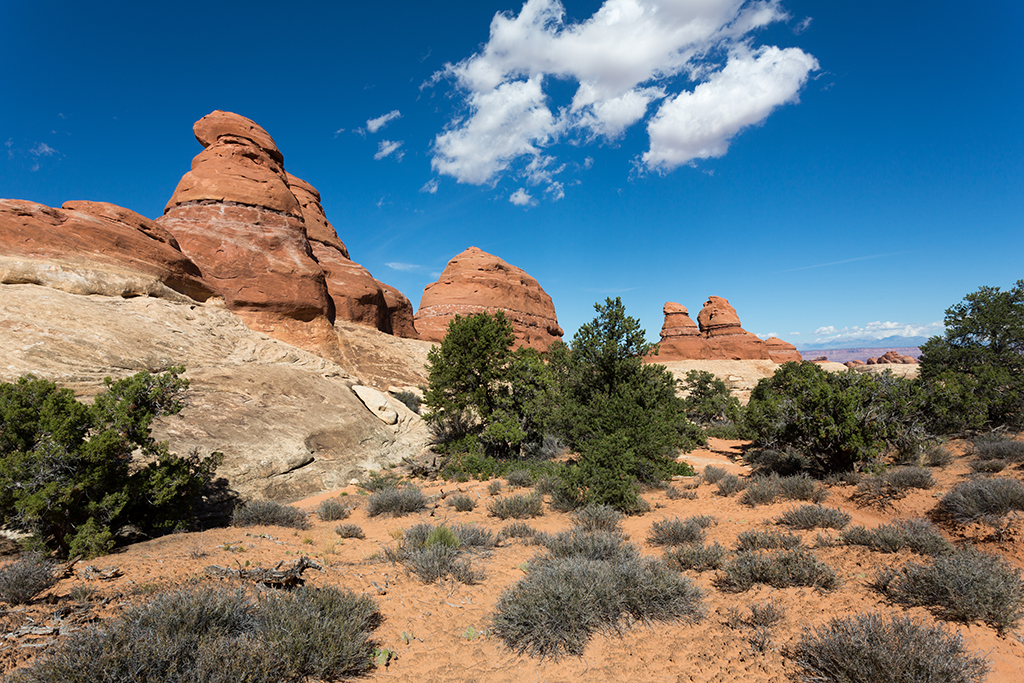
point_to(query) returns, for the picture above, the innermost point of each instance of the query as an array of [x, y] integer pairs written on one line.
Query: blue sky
[[834, 169]]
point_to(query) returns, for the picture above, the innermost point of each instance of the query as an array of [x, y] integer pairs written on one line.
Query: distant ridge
[[881, 345], [859, 353]]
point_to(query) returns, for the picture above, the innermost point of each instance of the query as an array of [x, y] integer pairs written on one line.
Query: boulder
[[377, 403], [781, 351], [892, 358], [477, 282], [854, 363], [94, 248]]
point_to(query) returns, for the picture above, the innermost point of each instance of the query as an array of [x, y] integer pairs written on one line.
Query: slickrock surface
[[477, 282], [287, 421], [94, 248]]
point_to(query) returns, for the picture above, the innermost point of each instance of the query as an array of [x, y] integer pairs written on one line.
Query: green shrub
[[917, 535], [462, 503], [269, 513], [962, 585], [395, 501], [25, 578], [411, 400], [434, 553], [781, 569], [695, 556], [217, 635], [983, 500], [68, 471], [865, 648], [784, 463], [597, 518], [707, 401], [378, 481], [675, 532], [333, 510], [814, 517], [349, 531], [516, 507], [730, 484], [766, 540]]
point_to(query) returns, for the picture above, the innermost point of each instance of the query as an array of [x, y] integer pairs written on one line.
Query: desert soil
[[439, 632]]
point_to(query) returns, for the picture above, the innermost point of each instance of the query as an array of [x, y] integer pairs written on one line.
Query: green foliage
[[67, 470], [867, 649], [481, 391], [838, 420], [707, 400], [975, 371]]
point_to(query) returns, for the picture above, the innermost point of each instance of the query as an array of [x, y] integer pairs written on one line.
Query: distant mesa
[[717, 335], [477, 282], [887, 358]]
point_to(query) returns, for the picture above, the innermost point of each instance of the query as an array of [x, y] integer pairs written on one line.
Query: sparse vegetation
[[25, 578], [462, 503], [518, 530], [695, 556], [269, 513], [713, 474], [519, 479], [983, 500], [395, 501], [766, 490], [867, 648], [516, 507], [766, 540], [814, 517], [884, 488], [597, 518], [731, 484], [674, 532], [217, 634], [435, 553], [962, 585], [411, 400], [349, 531], [781, 569], [333, 510], [918, 535]]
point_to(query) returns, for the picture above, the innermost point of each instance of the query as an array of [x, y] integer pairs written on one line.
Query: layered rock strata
[[477, 282]]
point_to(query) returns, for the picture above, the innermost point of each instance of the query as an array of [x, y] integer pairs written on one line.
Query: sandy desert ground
[[440, 632]]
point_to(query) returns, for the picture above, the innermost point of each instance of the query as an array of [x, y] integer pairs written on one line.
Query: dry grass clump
[[395, 501], [917, 535], [998, 446], [675, 532], [269, 513], [992, 466], [697, 557], [893, 485], [766, 490], [963, 585], [516, 507], [937, 455], [462, 503], [589, 581], [333, 510], [866, 648], [781, 569], [349, 531], [983, 500], [730, 484], [25, 578], [814, 517], [216, 635], [434, 553], [766, 540]]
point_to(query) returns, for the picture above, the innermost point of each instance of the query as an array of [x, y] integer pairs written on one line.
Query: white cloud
[[387, 148], [628, 55], [876, 330], [373, 125], [700, 124], [522, 198], [555, 191], [42, 150], [430, 187], [402, 266]]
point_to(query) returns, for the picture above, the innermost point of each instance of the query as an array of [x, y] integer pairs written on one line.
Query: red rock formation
[[854, 363], [680, 336], [781, 351], [477, 282], [717, 336], [93, 248], [400, 313], [891, 357]]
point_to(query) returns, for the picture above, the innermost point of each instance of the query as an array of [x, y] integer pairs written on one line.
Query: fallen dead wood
[[276, 577]]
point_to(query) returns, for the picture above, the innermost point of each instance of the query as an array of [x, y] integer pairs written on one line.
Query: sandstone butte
[[262, 241], [717, 335], [477, 282]]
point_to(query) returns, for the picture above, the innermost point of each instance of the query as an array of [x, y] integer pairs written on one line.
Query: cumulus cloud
[[693, 56], [876, 330], [386, 148], [522, 198], [373, 125]]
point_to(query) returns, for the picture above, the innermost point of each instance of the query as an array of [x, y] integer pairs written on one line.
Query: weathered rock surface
[[477, 282], [716, 336], [893, 358], [94, 248], [377, 403], [286, 420]]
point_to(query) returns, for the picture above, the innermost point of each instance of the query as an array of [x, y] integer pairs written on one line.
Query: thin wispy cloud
[[388, 148], [403, 266], [430, 187], [373, 125], [875, 330], [41, 149], [629, 58], [849, 260]]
